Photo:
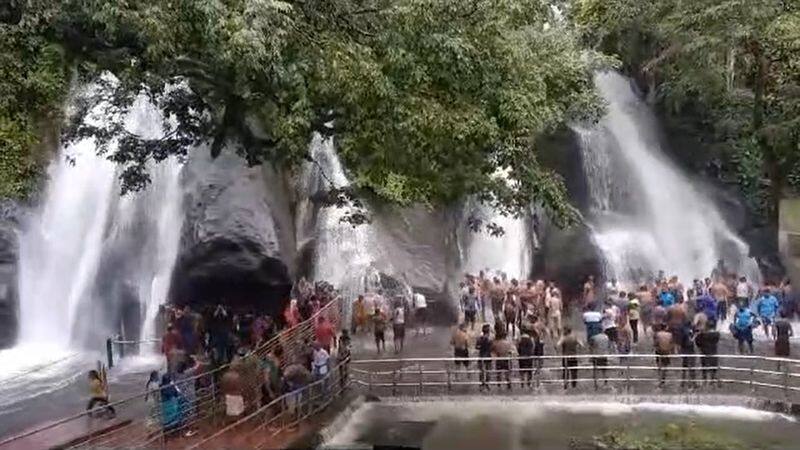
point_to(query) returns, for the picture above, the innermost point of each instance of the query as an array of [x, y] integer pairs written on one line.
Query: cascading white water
[[345, 255], [645, 214], [87, 254], [508, 253]]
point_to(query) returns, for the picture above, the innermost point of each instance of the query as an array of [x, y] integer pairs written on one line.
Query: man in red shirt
[[172, 347], [325, 334]]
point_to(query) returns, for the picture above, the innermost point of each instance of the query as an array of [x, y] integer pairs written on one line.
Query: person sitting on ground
[[98, 393]]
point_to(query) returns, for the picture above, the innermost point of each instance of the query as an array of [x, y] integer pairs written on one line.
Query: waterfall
[[508, 253], [645, 214], [93, 263], [345, 254]]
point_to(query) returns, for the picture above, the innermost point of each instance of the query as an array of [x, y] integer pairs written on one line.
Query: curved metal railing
[[139, 417], [749, 375]]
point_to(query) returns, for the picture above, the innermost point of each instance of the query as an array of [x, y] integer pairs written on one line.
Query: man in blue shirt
[[666, 298], [707, 305], [768, 306], [742, 327]]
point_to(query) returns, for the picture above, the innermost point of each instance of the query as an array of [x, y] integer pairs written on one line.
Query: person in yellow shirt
[[98, 393]]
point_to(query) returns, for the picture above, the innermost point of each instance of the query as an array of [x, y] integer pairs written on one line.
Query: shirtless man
[[646, 303], [553, 307], [664, 346], [588, 291], [510, 308], [527, 298], [721, 294], [484, 285], [497, 295]]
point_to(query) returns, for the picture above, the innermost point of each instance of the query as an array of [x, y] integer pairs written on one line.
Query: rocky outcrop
[[9, 253], [236, 245]]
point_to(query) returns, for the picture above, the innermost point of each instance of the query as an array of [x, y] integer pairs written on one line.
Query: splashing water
[[93, 263], [645, 214], [345, 255], [508, 253]]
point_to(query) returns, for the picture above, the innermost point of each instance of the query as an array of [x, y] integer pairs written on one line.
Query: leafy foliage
[[731, 65], [33, 84], [429, 100], [668, 437]]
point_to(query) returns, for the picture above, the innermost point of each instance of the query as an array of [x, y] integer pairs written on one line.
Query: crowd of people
[[195, 343], [513, 318], [522, 318], [376, 310]]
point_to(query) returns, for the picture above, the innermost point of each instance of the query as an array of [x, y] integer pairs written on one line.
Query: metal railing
[[259, 430], [141, 421], [753, 376]]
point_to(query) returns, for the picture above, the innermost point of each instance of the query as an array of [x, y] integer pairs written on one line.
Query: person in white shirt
[[609, 322], [420, 312], [399, 325], [743, 292]]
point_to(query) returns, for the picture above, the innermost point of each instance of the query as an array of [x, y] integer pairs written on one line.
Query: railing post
[[594, 373], [110, 352], [419, 369], [447, 369], [752, 375], [627, 373], [394, 383], [786, 383], [369, 381], [121, 346]]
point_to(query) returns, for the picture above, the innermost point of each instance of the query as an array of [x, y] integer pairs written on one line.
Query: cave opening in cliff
[[264, 289]]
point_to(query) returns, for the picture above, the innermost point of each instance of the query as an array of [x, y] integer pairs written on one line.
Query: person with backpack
[[742, 327]]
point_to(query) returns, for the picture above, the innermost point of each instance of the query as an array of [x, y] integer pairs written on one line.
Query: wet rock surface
[[234, 245], [10, 215]]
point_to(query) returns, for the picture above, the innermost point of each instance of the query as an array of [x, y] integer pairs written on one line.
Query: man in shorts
[[664, 346], [399, 325], [420, 312], [484, 347], [379, 328], [460, 343], [470, 305]]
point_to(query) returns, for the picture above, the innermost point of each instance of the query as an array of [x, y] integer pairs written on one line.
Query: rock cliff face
[[9, 252], [237, 242]]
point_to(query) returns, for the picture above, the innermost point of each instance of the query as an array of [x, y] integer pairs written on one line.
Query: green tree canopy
[[731, 66], [428, 100]]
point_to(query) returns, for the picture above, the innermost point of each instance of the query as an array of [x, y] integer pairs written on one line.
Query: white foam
[[523, 412]]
